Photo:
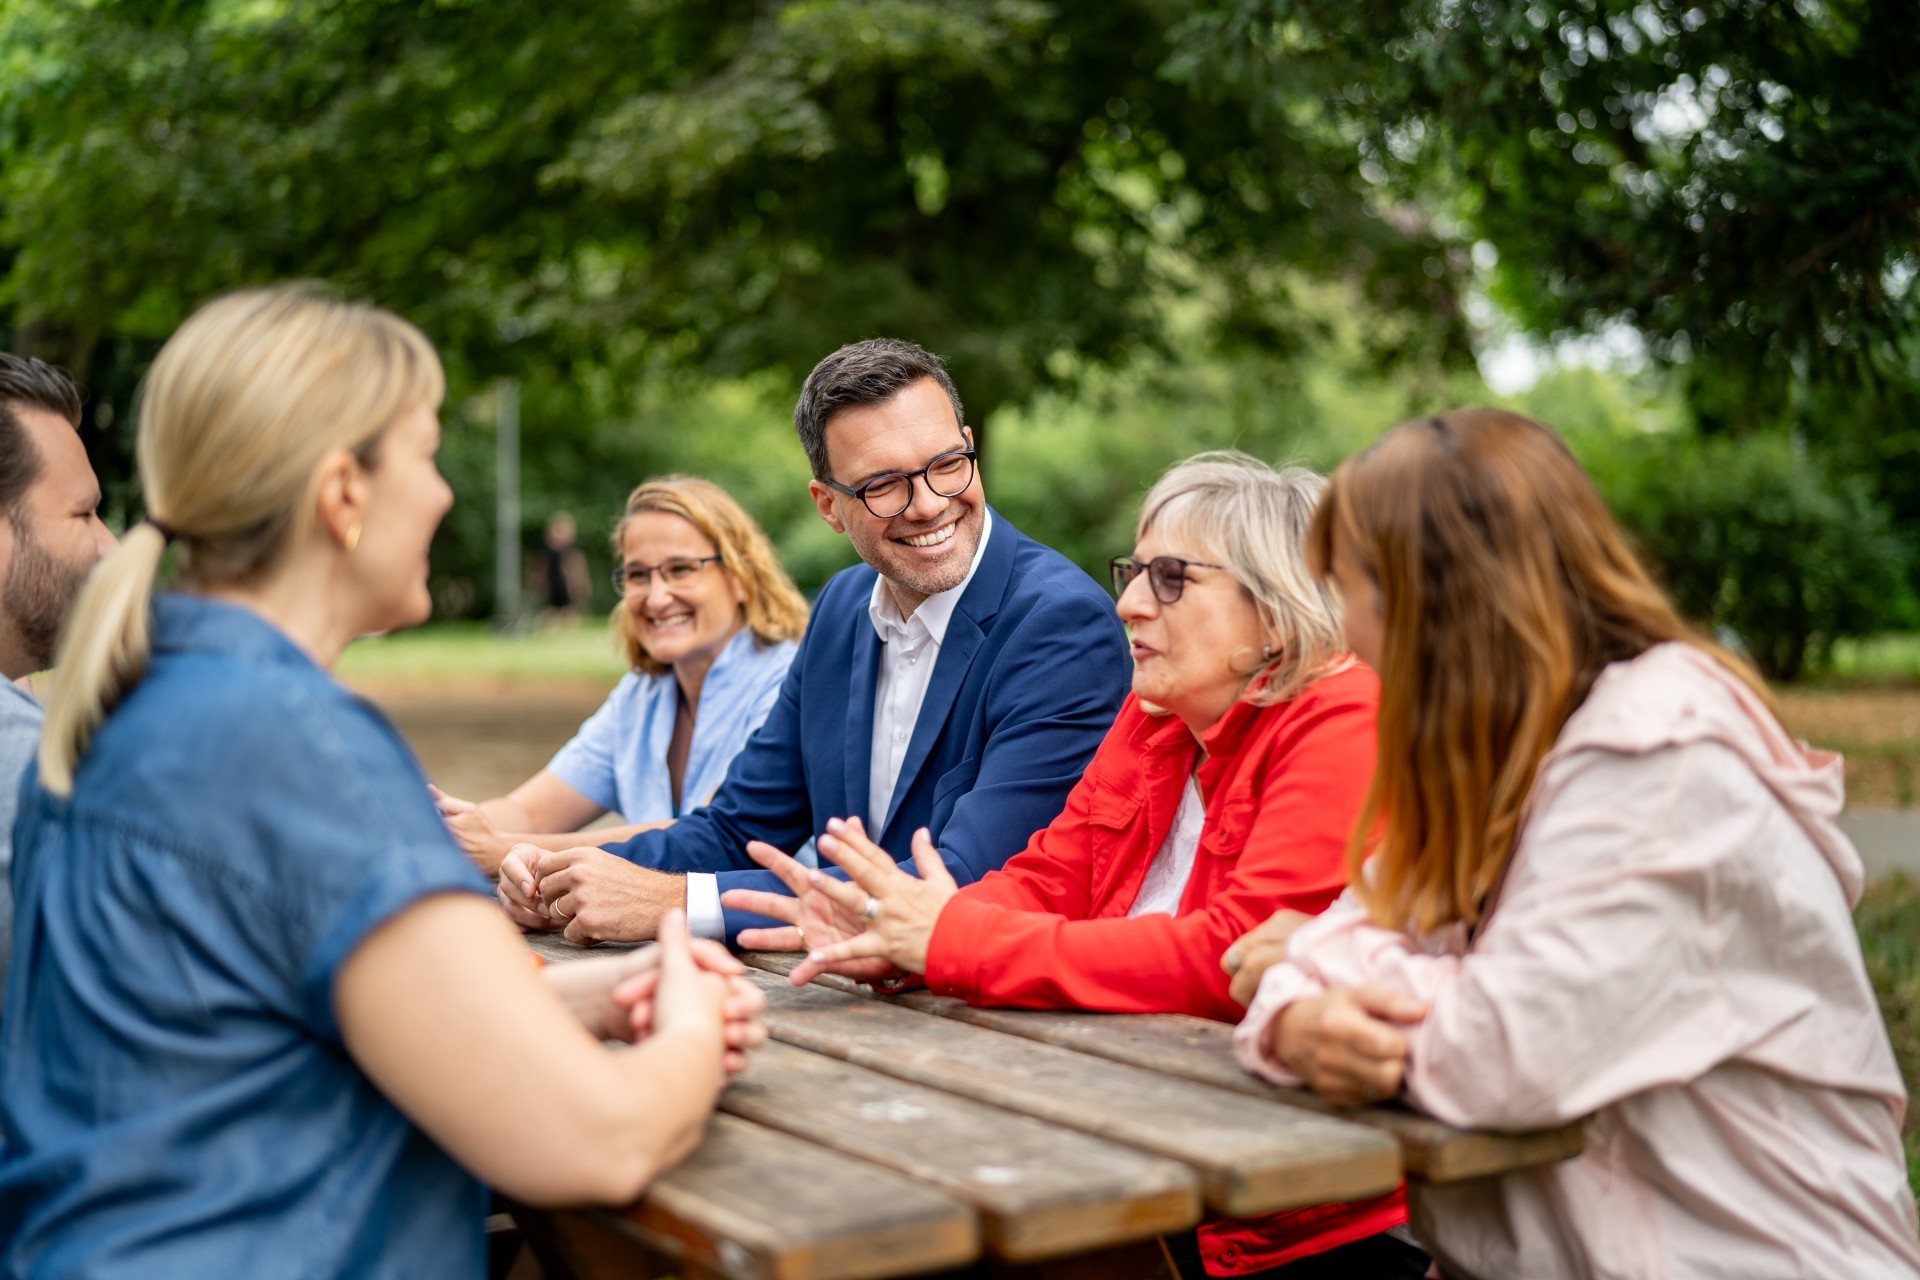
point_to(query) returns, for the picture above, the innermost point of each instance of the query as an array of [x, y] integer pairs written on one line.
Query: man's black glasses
[[891, 492], [1167, 575], [638, 577]]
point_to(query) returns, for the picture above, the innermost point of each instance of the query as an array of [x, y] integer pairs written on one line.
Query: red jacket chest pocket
[[1229, 823], [1115, 829]]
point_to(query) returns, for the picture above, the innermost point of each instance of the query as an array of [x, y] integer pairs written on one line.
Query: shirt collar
[[936, 611], [18, 690]]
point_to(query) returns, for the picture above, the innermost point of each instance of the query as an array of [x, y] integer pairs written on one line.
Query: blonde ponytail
[[240, 409], [103, 652]]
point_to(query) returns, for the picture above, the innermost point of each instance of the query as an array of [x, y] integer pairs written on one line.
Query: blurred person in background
[[1225, 790], [1601, 881], [564, 588], [50, 539], [708, 620], [262, 1010]]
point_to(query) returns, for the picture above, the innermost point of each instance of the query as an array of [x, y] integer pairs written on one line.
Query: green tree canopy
[[641, 185], [1738, 179]]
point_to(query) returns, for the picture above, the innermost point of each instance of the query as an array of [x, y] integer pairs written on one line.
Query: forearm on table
[[603, 1127], [607, 835], [507, 814], [671, 1083], [1341, 947], [1284, 986], [1032, 959], [711, 839], [442, 1011]]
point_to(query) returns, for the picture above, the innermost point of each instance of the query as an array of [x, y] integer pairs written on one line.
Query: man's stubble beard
[[884, 557], [37, 595]]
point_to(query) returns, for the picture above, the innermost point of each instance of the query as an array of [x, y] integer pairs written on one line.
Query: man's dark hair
[[37, 385], [862, 373]]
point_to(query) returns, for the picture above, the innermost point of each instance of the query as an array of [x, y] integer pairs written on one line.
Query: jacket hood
[[1674, 695]]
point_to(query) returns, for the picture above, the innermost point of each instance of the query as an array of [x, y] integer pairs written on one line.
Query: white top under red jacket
[[1672, 954]]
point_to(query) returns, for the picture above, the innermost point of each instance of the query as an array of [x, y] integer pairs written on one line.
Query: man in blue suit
[[959, 679]]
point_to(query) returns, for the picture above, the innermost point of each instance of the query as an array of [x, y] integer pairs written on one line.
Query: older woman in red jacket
[[1225, 791]]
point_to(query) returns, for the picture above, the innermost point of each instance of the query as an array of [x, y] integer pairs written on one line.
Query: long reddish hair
[[1505, 588]]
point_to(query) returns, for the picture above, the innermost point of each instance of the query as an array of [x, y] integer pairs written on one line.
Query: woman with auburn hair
[[708, 621], [1600, 881], [262, 1011], [1224, 789]]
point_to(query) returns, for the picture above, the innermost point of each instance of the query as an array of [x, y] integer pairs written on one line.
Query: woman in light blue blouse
[[262, 1012], [708, 619]]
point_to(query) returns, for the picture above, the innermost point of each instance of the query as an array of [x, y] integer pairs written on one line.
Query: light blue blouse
[[618, 760]]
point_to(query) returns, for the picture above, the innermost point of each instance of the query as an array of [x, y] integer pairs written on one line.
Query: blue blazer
[[1030, 676]]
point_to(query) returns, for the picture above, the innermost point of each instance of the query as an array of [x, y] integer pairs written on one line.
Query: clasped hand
[[587, 892], [1347, 1044], [682, 982], [874, 927]]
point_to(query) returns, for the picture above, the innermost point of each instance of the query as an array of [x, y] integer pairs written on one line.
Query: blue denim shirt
[[174, 1092], [618, 760]]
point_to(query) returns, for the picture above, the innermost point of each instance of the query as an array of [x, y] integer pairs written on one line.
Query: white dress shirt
[[1166, 881], [909, 649]]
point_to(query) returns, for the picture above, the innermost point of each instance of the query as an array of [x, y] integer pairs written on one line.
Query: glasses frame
[[619, 574], [1124, 569], [923, 475]]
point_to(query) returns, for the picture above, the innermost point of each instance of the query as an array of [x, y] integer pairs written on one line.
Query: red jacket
[[1282, 786]]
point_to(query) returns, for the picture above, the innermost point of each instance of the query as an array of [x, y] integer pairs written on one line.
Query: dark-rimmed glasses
[[639, 577], [1167, 575], [891, 492]]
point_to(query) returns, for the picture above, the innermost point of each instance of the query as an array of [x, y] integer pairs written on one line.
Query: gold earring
[[353, 537]]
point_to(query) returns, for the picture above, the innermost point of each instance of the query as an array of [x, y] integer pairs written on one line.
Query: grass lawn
[[1867, 709], [1881, 660], [1889, 921], [478, 649], [478, 652]]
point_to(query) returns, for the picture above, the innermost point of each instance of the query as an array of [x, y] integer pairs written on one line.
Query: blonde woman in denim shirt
[[262, 1011]]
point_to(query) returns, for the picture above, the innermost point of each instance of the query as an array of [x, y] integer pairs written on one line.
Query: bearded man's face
[[56, 539], [39, 590]]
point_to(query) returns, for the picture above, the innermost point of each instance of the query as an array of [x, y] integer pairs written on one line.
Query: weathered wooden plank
[[755, 1204], [1041, 1191], [1252, 1156], [558, 950], [1200, 1050]]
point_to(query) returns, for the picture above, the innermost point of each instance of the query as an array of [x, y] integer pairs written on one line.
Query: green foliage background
[[1137, 229]]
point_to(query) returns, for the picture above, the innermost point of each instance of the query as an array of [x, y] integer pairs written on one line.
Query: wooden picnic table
[[892, 1135]]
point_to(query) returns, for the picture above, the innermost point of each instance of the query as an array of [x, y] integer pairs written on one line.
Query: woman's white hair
[[1252, 518]]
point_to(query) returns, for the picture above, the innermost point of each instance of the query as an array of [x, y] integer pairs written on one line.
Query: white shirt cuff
[[704, 917]]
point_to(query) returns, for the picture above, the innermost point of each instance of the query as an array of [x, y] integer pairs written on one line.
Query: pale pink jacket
[[1673, 955]]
